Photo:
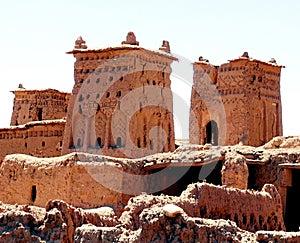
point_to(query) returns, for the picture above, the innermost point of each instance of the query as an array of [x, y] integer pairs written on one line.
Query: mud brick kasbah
[[118, 120]]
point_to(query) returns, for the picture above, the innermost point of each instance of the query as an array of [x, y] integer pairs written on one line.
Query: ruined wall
[[249, 92], [251, 210], [38, 105], [89, 181], [40, 139], [121, 103], [235, 171]]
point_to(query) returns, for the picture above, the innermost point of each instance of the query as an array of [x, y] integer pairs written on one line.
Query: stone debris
[[172, 210], [152, 219]]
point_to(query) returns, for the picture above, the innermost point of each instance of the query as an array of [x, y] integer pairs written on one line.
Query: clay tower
[[121, 102], [237, 102]]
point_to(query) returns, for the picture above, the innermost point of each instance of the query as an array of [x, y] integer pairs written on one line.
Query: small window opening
[[43, 144], [260, 79], [118, 94], [111, 78], [151, 145], [138, 142], [107, 95], [99, 142], [121, 79], [79, 142], [40, 114], [25, 145], [119, 142], [33, 193], [253, 79], [98, 80]]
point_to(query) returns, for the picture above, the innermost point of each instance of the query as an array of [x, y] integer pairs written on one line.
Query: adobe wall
[[247, 91], [121, 103], [40, 139], [71, 178], [38, 105], [35, 181]]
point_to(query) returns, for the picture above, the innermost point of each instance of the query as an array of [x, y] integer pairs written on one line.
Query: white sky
[[36, 34]]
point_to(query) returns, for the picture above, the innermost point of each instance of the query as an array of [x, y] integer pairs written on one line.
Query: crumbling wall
[[235, 171], [145, 218]]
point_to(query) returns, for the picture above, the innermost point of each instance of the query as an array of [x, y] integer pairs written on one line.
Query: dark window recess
[[151, 145], [118, 94], [107, 95], [212, 133], [60, 143], [99, 143], [111, 78], [98, 107], [138, 142], [33, 193], [260, 79], [119, 142], [80, 98], [79, 142], [25, 145], [253, 79], [43, 144], [98, 80], [40, 114], [121, 79]]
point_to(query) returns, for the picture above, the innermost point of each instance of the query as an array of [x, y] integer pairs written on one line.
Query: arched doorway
[[211, 133]]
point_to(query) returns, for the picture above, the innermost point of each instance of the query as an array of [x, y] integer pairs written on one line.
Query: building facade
[[38, 105], [237, 102], [121, 102]]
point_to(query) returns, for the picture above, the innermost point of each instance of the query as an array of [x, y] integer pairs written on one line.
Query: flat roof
[[121, 47]]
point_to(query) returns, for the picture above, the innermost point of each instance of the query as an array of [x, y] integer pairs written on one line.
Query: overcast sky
[[36, 34]]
